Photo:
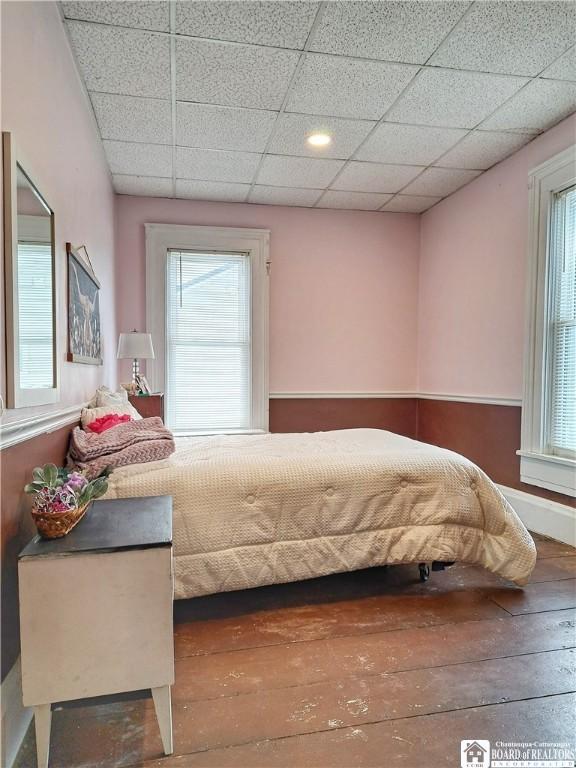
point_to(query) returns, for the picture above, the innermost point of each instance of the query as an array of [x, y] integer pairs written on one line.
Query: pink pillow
[[107, 422]]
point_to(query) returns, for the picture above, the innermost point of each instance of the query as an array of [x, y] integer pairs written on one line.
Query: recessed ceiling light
[[319, 139]]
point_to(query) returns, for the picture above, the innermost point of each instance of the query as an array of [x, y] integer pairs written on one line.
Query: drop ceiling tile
[[284, 24], [481, 149], [133, 118], [231, 74], [375, 177], [292, 131], [304, 172], [213, 127], [141, 15], [211, 190], [333, 85], [564, 68], [414, 144], [126, 61], [359, 201], [138, 159], [215, 165], [519, 38], [453, 99], [142, 185], [411, 203], [440, 182], [535, 108], [395, 31], [284, 196]]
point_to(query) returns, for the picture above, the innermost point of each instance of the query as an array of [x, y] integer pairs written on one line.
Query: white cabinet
[[96, 611]]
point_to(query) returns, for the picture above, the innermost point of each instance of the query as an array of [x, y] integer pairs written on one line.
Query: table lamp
[[137, 346]]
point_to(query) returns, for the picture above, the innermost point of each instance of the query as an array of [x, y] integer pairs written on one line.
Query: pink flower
[[75, 482]]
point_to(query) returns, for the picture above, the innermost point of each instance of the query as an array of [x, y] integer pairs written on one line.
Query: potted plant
[[61, 498]]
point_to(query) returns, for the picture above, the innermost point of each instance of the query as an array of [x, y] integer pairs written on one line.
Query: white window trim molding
[[255, 242], [536, 466]]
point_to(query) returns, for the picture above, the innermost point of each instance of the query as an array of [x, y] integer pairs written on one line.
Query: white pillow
[[89, 415], [106, 397]]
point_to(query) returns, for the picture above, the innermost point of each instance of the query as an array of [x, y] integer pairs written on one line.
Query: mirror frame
[[16, 396]]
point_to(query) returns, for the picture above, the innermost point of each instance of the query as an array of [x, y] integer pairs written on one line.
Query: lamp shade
[[136, 346]]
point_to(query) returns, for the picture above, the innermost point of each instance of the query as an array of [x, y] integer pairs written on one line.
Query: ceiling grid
[[215, 100]]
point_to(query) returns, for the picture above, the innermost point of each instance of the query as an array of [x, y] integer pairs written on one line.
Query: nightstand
[[96, 611], [149, 405]]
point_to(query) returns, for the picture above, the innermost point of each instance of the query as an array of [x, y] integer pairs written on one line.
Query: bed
[[251, 510]]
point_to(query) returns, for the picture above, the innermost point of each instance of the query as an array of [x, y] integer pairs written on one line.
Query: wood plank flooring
[[362, 669]]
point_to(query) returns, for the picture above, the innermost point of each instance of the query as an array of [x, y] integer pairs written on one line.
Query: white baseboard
[[558, 521], [15, 717]]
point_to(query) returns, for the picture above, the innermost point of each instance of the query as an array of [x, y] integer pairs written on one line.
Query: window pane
[[562, 337], [208, 342], [35, 348]]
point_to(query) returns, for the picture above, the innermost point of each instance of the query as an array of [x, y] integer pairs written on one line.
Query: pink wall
[[343, 289], [47, 111], [472, 278]]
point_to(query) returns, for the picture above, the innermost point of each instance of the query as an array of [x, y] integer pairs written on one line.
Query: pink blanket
[[136, 442]]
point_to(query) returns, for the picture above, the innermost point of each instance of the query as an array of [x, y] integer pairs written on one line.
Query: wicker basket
[[54, 525]]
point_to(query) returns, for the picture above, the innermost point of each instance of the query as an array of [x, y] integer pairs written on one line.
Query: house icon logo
[[475, 754]]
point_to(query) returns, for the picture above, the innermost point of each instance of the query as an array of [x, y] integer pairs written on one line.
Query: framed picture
[[84, 337], [142, 384]]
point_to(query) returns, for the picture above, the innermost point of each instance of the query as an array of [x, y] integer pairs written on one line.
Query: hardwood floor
[[362, 669]]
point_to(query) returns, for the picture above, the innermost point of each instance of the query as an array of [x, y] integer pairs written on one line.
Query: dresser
[[149, 405], [96, 612]]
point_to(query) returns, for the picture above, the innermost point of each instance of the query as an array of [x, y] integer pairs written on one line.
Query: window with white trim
[[207, 311], [548, 452]]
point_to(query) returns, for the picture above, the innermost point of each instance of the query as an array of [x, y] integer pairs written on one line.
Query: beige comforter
[[251, 510]]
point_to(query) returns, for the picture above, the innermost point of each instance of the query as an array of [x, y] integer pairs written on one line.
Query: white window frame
[[537, 467], [160, 238]]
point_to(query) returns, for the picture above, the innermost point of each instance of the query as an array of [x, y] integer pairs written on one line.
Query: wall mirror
[[30, 285]]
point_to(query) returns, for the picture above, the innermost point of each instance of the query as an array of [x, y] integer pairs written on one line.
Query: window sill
[[555, 473]]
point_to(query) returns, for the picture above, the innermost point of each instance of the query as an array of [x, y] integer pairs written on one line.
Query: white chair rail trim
[[18, 431], [396, 395]]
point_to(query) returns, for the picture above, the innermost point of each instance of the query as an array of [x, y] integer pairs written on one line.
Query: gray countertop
[[113, 524]]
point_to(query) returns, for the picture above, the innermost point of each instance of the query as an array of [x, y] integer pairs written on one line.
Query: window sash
[[208, 341], [560, 407]]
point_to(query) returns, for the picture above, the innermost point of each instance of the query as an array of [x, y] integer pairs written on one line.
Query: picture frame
[[84, 330], [142, 384]]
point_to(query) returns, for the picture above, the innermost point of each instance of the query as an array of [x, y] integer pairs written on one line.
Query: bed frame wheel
[[424, 571]]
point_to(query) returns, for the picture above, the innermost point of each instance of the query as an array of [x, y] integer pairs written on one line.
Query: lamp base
[[135, 370]]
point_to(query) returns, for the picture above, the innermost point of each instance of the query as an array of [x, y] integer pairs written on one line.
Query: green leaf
[[98, 487], [51, 474], [38, 474], [34, 487]]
